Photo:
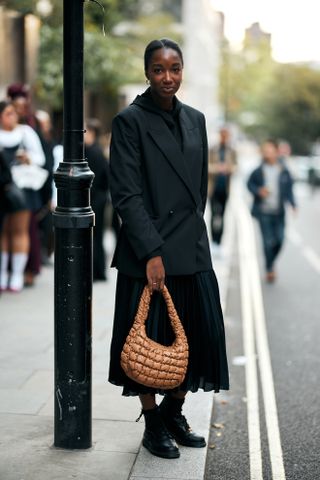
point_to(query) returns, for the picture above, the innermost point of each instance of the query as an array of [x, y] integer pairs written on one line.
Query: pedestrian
[[222, 164], [22, 150], [20, 97], [5, 181], [99, 191], [271, 186], [44, 215], [158, 178]]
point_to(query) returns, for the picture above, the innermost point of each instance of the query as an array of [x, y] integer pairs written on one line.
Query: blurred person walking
[[158, 179], [19, 95], [22, 150], [222, 164], [5, 182], [99, 191], [44, 215], [271, 186]]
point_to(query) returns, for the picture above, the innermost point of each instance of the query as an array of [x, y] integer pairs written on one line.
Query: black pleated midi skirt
[[197, 301]]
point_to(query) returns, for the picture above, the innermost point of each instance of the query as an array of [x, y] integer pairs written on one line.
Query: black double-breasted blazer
[[159, 188]]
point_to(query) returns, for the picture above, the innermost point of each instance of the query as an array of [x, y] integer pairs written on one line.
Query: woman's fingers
[[155, 273]]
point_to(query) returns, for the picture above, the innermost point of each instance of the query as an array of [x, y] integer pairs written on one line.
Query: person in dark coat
[[5, 180], [271, 186], [158, 180], [222, 164], [44, 215], [99, 191]]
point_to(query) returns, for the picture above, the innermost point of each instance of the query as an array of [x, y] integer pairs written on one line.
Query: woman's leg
[[20, 244], [5, 249], [156, 438], [34, 256], [20, 239], [148, 401], [179, 395], [176, 423]]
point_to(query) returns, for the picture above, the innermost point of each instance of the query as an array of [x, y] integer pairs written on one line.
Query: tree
[[110, 61], [244, 77], [292, 106]]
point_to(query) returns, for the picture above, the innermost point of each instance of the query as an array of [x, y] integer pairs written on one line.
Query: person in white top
[[20, 145]]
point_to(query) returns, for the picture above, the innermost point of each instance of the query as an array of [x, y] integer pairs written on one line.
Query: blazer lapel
[[171, 150]]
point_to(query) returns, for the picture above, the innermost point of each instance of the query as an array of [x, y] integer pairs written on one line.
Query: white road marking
[[254, 331], [309, 254], [294, 237], [253, 416], [268, 390], [312, 257]]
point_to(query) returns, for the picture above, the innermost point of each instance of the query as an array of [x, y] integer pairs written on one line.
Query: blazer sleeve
[[204, 176], [253, 183], [290, 194], [126, 189]]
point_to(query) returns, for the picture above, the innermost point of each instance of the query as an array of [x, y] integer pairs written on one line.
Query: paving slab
[[34, 458], [191, 463], [26, 399]]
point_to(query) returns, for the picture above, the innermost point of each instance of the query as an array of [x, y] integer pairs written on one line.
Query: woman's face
[[8, 118], [21, 105], [165, 72]]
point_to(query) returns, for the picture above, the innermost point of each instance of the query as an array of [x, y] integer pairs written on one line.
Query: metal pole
[[73, 221]]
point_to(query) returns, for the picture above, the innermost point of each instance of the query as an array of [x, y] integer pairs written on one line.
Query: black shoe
[[156, 438], [176, 423]]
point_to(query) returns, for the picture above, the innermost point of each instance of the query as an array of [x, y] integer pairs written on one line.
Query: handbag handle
[[143, 310]]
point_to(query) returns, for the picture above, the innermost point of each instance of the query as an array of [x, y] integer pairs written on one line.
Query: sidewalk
[[26, 397]]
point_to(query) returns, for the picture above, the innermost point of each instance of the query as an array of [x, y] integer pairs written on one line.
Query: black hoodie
[[171, 117]]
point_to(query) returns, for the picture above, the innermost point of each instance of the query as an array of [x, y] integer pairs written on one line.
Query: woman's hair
[[3, 105], [155, 45]]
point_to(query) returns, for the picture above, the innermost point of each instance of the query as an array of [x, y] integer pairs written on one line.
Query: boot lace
[[182, 421]]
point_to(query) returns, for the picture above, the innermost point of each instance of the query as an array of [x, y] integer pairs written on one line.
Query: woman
[[20, 145], [158, 168]]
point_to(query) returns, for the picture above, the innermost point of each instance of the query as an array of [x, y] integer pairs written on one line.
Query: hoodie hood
[[146, 102]]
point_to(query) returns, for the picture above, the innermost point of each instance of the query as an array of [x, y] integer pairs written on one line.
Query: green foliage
[[110, 61], [292, 106], [244, 77], [268, 99]]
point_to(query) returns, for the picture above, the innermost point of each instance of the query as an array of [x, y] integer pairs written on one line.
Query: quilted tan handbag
[[148, 362]]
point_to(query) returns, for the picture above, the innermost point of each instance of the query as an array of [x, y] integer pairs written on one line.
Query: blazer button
[[171, 212]]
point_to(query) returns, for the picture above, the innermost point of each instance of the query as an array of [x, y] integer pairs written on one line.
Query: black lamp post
[[73, 221]]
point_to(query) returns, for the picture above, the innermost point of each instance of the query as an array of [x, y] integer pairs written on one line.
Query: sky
[[294, 25]]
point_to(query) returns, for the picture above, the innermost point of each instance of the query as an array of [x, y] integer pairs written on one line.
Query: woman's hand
[[22, 157], [155, 273], [263, 192]]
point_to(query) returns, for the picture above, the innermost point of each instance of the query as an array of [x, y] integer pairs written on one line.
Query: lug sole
[[160, 454], [190, 444]]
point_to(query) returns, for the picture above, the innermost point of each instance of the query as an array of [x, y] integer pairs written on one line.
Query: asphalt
[[27, 392]]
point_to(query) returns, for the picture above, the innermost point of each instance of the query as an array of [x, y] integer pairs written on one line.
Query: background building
[[19, 44], [202, 27]]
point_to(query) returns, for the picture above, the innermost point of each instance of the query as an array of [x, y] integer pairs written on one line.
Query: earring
[[147, 81]]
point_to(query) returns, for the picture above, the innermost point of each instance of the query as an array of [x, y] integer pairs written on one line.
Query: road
[[268, 426]]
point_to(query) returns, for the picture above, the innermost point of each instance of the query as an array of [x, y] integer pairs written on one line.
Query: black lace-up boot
[[176, 423], [156, 437]]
